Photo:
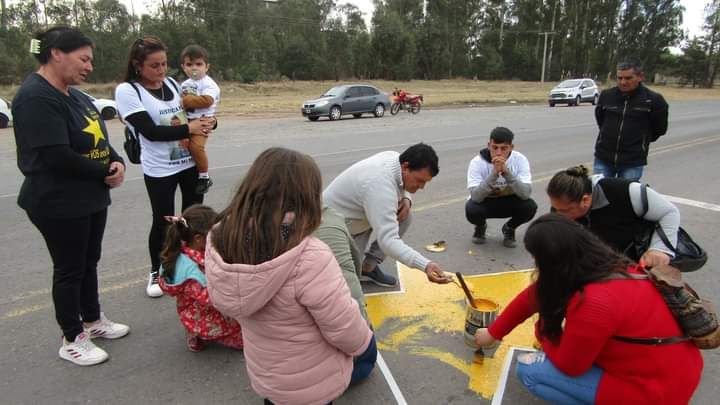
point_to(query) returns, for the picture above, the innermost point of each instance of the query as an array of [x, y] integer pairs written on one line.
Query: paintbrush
[[466, 289]]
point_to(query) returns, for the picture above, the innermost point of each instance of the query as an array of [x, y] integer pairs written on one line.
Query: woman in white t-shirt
[[150, 104]]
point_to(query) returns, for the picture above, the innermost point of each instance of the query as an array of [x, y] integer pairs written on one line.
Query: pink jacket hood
[[300, 325]]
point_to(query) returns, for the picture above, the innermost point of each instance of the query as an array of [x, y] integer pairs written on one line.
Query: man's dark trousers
[[518, 210]]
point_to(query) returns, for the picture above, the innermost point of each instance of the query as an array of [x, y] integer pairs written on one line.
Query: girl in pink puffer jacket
[[300, 325]]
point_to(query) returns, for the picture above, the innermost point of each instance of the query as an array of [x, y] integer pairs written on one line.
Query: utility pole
[[546, 33]]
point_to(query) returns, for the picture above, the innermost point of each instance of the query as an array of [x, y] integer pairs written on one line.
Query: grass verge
[[285, 97]]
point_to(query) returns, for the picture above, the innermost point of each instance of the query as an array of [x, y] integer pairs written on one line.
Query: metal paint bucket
[[482, 317]]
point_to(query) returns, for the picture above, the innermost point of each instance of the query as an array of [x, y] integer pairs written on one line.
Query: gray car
[[355, 99]]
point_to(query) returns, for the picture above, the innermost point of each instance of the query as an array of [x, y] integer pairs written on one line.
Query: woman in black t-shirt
[[69, 166]]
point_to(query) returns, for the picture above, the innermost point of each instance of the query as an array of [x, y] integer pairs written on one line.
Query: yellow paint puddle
[[411, 322]]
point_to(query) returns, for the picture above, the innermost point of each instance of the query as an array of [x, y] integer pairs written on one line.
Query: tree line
[[251, 40]]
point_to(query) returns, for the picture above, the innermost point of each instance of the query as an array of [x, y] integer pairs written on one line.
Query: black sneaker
[[378, 277], [508, 236], [478, 237], [203, 185]]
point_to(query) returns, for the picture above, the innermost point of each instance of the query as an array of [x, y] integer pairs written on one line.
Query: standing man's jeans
[[373, 254], [551, 384], [518, 210], [630, 173]]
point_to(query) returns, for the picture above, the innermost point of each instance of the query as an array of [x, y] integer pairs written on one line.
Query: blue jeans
[[551, 384], [630, 173], [364, 363]]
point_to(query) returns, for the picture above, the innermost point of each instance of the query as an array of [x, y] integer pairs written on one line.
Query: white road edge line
[[500, 391], [390, 380], [693, 203]]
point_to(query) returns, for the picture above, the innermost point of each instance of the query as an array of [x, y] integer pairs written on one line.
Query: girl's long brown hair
[[279, 181]]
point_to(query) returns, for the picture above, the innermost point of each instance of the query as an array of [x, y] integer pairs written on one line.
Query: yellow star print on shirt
[[94, 130]]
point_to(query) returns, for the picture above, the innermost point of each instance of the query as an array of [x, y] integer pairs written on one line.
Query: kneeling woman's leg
[[364, 363], [541, 377]]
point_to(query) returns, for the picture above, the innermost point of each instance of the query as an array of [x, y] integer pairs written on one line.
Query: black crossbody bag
[[689, 256]]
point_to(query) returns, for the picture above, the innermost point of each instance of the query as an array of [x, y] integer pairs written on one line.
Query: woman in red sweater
[[581, 314]]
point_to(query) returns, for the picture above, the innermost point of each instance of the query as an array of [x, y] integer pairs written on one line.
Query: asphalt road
[[151, 365]]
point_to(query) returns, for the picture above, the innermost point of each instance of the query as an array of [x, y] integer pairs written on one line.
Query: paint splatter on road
[[408, 323]]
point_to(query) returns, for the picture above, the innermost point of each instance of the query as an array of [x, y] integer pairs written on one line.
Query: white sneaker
[[105, 328], [153, 288], [82, 351]]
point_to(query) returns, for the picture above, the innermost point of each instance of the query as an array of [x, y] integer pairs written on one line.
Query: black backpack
[[132, 138]]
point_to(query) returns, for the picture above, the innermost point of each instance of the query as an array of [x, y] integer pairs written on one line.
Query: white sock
[[204, 175]]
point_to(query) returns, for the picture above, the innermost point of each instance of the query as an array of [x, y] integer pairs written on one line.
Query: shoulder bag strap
[[174, 84], [644, 199], [136, 90], [653, 341], [664, 238], [658, 228]]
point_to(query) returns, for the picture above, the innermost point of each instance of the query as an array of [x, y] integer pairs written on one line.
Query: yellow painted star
[[94, 130], [408, 322]]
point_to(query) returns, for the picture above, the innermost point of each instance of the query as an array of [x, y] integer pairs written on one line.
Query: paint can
[[480, 317]]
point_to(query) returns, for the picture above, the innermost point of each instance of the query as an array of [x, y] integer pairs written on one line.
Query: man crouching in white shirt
[[499, 182], [374, 195]]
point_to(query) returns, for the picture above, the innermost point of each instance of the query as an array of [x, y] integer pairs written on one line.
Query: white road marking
[[390, 380], [500, 391], [693, 203]]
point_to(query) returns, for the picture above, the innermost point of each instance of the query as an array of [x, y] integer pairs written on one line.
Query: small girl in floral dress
[[182, 276]]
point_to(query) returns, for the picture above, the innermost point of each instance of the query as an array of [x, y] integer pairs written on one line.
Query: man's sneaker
[[203, 185], [105, 328], [153, 288], [508, 236], [478, 237], [82, 351], [378, 277]]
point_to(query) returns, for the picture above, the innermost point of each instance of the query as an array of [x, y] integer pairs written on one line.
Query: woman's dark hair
[[196, 220], [139, 51], [567, 257], [64, 38], [570, 184], [421, 156], [280, 181]]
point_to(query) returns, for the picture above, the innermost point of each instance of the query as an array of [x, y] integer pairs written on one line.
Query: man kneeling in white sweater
[[374, 194]]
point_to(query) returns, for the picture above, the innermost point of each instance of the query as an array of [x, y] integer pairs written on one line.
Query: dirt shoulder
[[284, 98]]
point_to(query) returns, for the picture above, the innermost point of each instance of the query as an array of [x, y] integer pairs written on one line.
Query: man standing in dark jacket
[[630, 116]]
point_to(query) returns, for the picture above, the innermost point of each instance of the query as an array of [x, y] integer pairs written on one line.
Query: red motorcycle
[[406, 102]]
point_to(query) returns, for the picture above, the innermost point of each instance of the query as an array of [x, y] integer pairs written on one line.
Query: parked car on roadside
[[5, 114], [574, 92], [107, 107], [355, 99]]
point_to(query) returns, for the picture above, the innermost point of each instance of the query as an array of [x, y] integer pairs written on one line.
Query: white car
[[107, 107], [574, 92], [5, 114]]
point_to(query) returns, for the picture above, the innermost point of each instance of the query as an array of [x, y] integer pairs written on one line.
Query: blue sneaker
[[378, 277]]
